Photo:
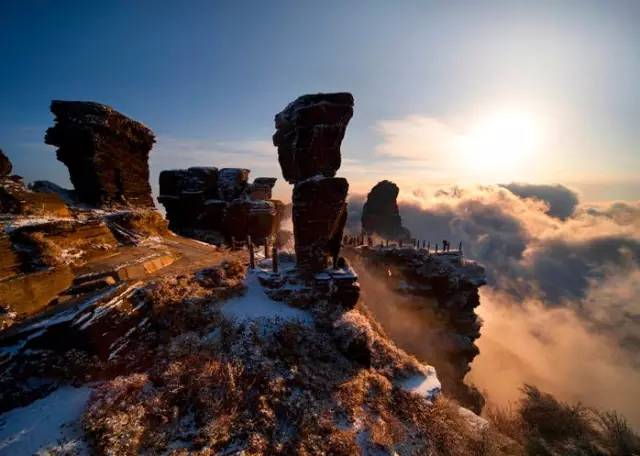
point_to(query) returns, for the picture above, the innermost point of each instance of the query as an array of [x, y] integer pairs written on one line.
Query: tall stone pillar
[[309, 132]]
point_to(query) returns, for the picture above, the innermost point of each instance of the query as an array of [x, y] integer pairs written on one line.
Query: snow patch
[[425, 384], [256, 305], [52, 421]]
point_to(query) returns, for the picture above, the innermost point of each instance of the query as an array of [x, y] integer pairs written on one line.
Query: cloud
[[418, 138], [563, 292], [562, 201]]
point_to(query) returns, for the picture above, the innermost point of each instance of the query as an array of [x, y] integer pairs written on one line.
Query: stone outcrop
[[308, 135], [17, 199], [319, 216], [380, 214], [5, 165], [439, 294], [106, 152], [309, 132], [200, 201]]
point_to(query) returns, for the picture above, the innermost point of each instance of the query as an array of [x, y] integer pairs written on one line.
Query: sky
[[482, 92]]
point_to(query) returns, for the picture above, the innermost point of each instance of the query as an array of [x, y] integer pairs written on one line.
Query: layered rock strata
[[380, 214], [106, 152], [16, 199], [309, 132]]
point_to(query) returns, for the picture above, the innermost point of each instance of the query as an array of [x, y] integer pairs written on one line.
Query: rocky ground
[[201, 359]]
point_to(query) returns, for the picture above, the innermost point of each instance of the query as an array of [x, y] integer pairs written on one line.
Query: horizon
[[507, 129], [443, 96]]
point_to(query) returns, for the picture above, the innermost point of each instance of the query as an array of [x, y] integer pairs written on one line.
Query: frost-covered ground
[[51, 422], [256, 305]]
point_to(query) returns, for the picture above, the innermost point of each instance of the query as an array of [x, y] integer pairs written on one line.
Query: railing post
[[252, 258]]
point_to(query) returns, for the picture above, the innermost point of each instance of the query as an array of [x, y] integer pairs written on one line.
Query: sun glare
[[502, 142]]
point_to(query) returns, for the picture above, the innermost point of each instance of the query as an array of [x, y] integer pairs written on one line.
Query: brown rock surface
[[319, 216], [16, 198], [380, 214], [106, 152], [30, 293], [5, 165], [10, 263], [199, 201], [309, 132]]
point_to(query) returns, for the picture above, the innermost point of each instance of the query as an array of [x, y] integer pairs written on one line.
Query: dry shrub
[[617, 434], [546, 426], [506, 420]]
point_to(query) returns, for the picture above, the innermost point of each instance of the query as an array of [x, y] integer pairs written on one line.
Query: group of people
[[361, 239]]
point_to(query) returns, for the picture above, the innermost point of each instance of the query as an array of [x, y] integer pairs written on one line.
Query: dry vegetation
[[545, 426], [216, 386]]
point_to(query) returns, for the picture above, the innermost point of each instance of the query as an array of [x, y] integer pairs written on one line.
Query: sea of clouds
[[562, 306]]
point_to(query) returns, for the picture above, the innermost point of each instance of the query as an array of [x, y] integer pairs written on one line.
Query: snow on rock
[[52, 421], [255, 305], [474, 421], [425, 384]]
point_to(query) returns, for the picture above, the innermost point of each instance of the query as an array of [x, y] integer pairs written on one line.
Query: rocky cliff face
[[212, 205], [380, 214], [426, 303], [309, 132], [187, 348], [106, 152]]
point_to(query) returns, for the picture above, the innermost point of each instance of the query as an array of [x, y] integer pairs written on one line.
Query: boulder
[[308, 135], [107, 153], [200, 178], [232, 183], [200, 201], [260, 188], [380, 214]]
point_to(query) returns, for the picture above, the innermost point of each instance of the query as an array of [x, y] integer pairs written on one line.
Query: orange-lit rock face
[[17, 199], [309, 132]]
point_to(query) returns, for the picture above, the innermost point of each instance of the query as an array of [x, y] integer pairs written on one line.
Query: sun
[[503, 142]]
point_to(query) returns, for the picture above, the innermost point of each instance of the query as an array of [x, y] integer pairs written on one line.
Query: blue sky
[[437, 84]]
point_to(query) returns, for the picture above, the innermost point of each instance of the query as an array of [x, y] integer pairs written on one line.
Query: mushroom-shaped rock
[[107, 153], [309, 132]]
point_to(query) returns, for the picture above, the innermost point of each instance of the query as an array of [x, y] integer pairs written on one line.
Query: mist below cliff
[[562, 306]]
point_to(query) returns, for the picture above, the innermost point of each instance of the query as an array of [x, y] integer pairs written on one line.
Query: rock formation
[[309, 132], [439, 293], [380, 213], [17, 199], [203, 201], [5, 165], [106, 152]]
